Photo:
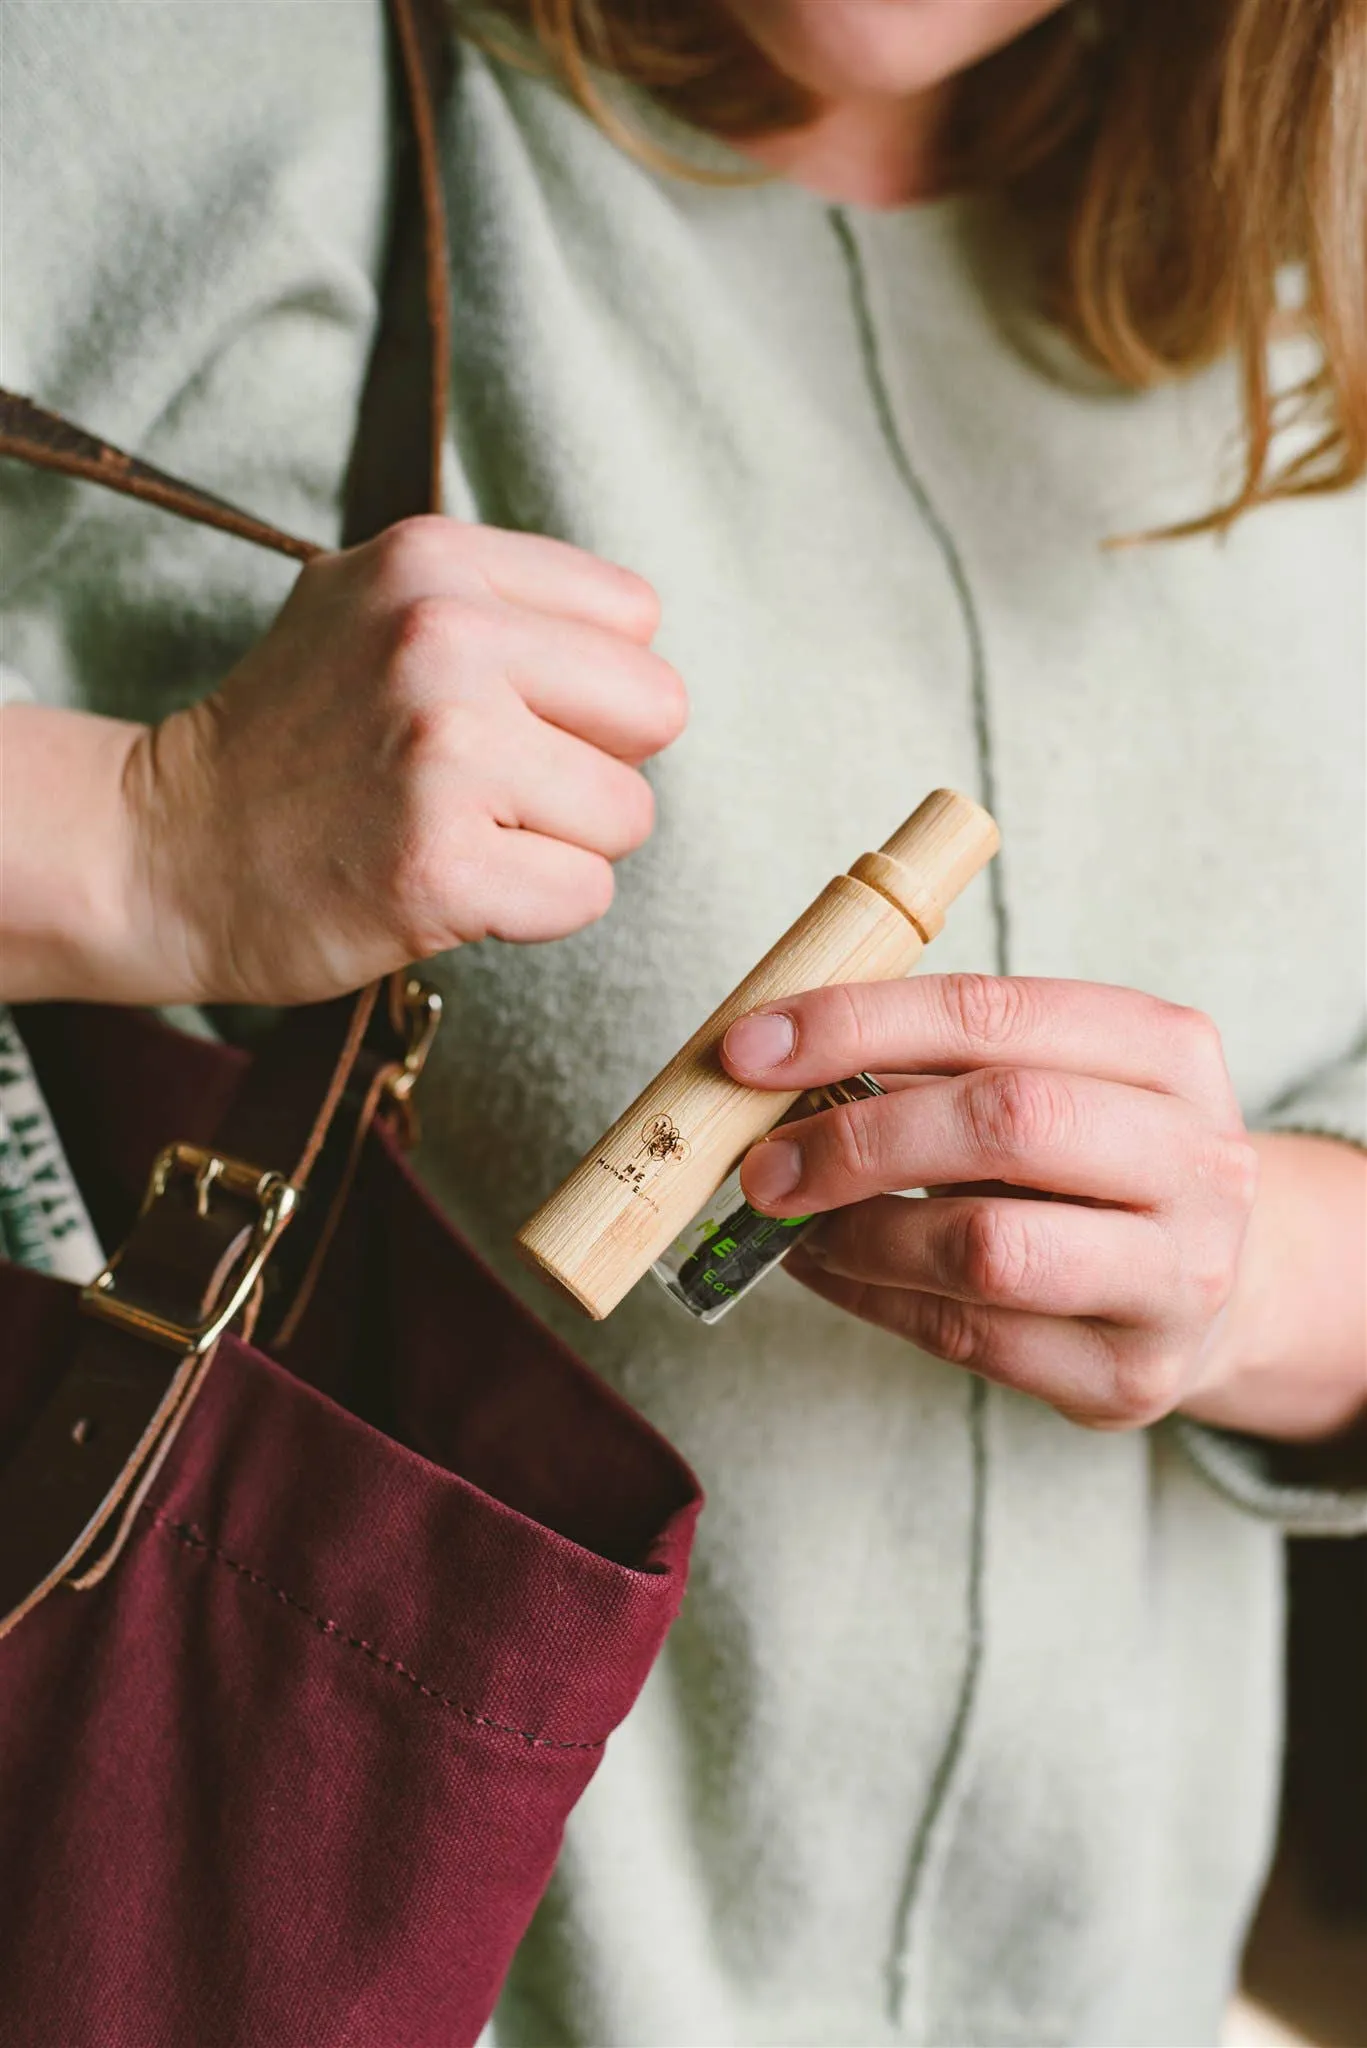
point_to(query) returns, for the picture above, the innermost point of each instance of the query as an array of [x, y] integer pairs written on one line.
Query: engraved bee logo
[[664, 1140]]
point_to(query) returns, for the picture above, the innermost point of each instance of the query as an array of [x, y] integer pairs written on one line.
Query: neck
[[868, 152]]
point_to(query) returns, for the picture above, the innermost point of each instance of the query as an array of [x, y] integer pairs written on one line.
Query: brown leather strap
[[395, 474], [115, 1408], [277, 1118], [94, 1448], [45, 440]]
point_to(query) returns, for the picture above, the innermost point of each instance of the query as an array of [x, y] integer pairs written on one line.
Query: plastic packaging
[[729, 1247]]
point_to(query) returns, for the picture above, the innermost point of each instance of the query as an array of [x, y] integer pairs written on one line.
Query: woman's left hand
[[1106, 1299]]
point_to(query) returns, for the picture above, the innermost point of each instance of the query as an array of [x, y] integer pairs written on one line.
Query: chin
[[842, 49]]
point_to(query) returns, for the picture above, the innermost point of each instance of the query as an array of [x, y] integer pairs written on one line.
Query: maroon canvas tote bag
[[325, 1570]]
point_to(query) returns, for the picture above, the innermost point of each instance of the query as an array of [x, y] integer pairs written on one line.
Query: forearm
[[1290, 1357], [73, 918]]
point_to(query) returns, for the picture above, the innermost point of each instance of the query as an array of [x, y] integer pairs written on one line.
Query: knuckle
[[1243, 1168], [443, 883], [644, 600], [832, 1025], [635, 808], [413, 548], [995, 1256], [1209, 1277], [989, 1011], [594, 897], [831, 1030], [1145, 1384], [427, 630], [422, 736], [1234, 1170], [855, 1147], [420, 885], [1012, 1111], [447, 640], [1201, 1034], [1202, 1048], [671, 701], [952, 1330]]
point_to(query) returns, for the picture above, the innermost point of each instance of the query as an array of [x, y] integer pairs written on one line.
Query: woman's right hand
[[439, 739]]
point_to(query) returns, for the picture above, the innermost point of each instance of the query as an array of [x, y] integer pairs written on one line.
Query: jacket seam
[[951, 1763]]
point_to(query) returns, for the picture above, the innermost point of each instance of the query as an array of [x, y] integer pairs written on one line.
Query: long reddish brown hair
[[1171, 155]]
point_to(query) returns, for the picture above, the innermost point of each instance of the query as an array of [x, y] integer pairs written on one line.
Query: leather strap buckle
[[275, 1200]]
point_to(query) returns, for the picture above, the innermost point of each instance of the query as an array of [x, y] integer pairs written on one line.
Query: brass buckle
[[276, 1199], [421, 1016]]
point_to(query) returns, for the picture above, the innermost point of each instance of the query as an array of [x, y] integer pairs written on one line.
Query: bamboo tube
[[648, 1176]]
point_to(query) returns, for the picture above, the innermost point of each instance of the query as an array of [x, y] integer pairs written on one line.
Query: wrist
[[1288, 1359], [71, 916], [171, 887]]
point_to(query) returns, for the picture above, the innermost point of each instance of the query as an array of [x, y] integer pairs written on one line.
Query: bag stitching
[[192, 1538]]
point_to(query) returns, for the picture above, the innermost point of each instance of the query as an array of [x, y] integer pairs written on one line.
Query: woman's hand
[[439, 739], [1118, 1296]]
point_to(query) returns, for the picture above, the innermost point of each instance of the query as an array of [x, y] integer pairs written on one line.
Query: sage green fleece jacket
[[969, 1729]]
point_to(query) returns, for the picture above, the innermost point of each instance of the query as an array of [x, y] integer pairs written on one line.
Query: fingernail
[[759, 1042], [773, 1170]]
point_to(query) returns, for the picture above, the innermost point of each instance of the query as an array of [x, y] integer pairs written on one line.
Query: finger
[[532, 888], [1067, 1133], [552, 576], [949, 1023], [560, 786], [1047, 1258], [600, 687], [893, 1084], [436, 557], [1095, 1376]]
